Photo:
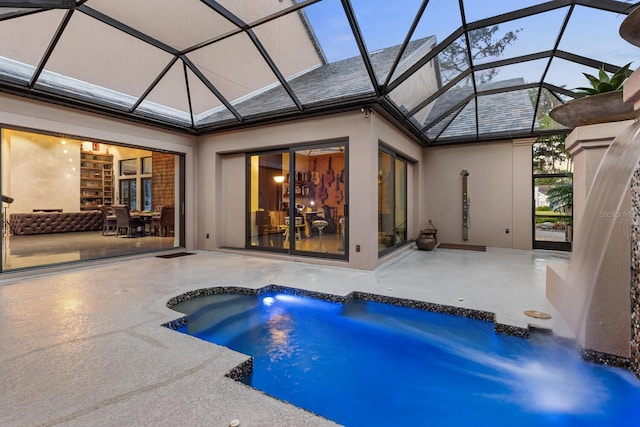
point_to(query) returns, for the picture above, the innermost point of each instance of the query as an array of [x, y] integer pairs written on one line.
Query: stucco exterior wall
[[607, 323], [499, 188], [22, 113], [226, 215]]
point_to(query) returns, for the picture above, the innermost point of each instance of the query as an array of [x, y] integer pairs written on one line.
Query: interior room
[[60, 195]]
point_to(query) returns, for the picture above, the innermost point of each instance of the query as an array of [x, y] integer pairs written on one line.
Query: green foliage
[[560, 197], [550, 154], [542, 208], [603, 83]]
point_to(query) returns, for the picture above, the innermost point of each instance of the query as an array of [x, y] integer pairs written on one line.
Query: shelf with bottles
[[302, 185], [96, 179]]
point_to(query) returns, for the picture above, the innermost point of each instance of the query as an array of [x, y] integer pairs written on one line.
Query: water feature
[[367, 363], [601, 208]]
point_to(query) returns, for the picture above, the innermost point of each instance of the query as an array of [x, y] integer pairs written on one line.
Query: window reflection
[[297, 201]]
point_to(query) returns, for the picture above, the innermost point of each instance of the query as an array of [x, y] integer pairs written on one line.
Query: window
[[147, 201], [128, 167], [128, 193], [147, 166]]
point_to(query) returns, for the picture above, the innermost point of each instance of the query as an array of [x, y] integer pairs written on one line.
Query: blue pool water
[[371, 364]]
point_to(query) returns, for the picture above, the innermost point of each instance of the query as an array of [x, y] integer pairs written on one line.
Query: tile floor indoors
[[85, 347]]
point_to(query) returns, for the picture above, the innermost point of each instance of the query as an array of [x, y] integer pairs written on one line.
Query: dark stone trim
[[244, 369], [241, 371]]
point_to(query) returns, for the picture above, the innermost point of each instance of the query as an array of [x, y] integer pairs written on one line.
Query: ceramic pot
[[589, 110], [426, 243]]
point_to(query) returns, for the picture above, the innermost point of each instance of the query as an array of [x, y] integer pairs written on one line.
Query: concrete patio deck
[[85, 347]]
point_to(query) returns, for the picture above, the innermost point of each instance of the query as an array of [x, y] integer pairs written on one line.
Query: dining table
[[146, 217]]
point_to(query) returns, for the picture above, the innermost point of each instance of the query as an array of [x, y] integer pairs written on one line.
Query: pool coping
[[244, 369]]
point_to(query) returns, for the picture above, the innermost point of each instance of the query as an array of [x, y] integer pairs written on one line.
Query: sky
[[385, 23]]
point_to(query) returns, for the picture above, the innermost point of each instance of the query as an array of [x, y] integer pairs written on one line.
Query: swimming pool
[[366, 363]]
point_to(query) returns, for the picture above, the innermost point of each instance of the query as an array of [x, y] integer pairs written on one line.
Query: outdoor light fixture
[[279, 179], [367, 111]]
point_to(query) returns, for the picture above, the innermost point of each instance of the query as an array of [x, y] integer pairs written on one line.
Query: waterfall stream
[[602, 207]]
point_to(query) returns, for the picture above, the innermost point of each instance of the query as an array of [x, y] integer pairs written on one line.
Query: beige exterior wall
[[499, 182], [225, 214], [16, 112], [499, 188]]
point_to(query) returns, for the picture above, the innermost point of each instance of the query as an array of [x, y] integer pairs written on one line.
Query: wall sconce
[[367, 111], [279, 179]]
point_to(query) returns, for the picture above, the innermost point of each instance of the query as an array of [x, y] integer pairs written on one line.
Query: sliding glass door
[[58, 194], [392, 201], [297, 201]]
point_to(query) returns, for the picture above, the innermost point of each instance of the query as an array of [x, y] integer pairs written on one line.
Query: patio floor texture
[[86, 346]]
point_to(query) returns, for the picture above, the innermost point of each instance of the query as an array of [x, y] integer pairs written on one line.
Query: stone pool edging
[[244, 369]]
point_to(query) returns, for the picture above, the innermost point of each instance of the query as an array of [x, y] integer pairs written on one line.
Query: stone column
[[606, 330], [522, 192]]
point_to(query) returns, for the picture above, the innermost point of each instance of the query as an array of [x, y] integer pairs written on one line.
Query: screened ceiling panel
[[464, 124], [548, 101], [33, 44], [170, 91], [440, 19], [202, 66], [568, 74], [251, 11], [178, 23], [105, 57], [582, 32], [476, 10], [234, 66], [280, 37], [535, 33], [398, 15], [525, 72], [332, 30], [420, 85], [202, 99], [510, 111], [440, 107]]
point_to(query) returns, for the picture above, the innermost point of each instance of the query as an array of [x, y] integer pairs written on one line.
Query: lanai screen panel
[[207, 66]]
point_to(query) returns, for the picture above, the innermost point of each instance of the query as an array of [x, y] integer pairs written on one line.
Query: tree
[[550, 154], [484, 43]]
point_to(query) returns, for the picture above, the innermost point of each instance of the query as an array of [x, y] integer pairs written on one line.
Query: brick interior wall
[[164, 183]]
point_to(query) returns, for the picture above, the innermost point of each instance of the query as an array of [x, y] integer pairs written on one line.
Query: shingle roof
[[496, 113], [334, 81]]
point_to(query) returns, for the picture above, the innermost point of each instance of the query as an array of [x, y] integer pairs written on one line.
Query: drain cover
[[537, 314]]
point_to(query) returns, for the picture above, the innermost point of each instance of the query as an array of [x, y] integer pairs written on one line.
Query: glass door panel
[[267, 209], [401, 202], [553, 217], [297, 201], [392, 201], [318, 197], [386, 201]]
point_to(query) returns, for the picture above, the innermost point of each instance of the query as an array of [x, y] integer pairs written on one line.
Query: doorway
[[297, 200]]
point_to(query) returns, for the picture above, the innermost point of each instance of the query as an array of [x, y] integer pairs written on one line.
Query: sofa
[[55, 222]]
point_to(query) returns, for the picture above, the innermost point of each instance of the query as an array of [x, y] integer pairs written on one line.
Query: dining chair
[[109, 221], [125, 221], [164, 223]]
